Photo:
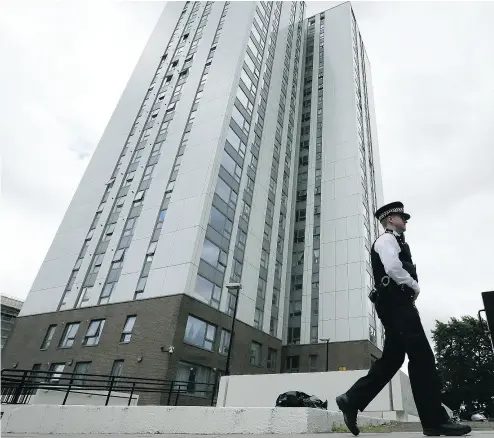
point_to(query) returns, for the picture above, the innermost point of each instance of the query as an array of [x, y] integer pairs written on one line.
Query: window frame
[[126, 334], [80, 381], [65, 336], [252, 355], [224, 345], [272, 364], [50, 332], [97, 334], [208, 341]]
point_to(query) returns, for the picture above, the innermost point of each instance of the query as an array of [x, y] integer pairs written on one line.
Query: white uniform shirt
[[388, 249]]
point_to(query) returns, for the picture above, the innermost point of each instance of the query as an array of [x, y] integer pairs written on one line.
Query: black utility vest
[[405, 257]]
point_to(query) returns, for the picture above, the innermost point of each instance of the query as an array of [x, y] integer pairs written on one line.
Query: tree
[[465, 362]]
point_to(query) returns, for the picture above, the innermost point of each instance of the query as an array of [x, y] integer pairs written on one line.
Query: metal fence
[[18, 386]]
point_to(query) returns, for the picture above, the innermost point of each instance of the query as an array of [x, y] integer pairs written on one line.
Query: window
[[272, 184], [250, 186], [272, 359], [256, 35], [264, 259], [294, 335], [48, 337], [231, 166], [194, 379], [277, 270], [81, 370], [226, 193], [299, 236], [315, 259], [127, 330], [200, 333], [313, 362], [249, 85], [315, 306], [292, 364], [261, 288], [267, 232], [117, 367], [258, 317], [298, 258], [300, 215], [270, 208], [69, 335], [273, 326], [251, 65], [56, 370], [244, 101], [94, 332], [253, 162], [232, 299], [236, 273], [275, 298], [240, 119], [208, 291], [255, 354], [224, 341], [241, 240], [236, 142], [313, 335], [295, 308], [214, 256]]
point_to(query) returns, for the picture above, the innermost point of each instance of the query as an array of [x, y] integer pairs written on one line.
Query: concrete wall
[[169, 420], [263, 390]]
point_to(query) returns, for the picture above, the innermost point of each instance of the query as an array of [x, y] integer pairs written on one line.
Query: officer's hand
[[416, 296]]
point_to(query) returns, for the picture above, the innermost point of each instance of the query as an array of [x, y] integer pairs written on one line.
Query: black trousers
[[403, 334]]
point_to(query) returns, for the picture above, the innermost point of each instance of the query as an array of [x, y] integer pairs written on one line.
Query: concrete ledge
[[52, 419]]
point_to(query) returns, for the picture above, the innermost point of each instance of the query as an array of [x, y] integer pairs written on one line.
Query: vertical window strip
[[236, 273], [110, 185], [139, 292], [289, 153], [314, 315], [260, 299], [294, 320]]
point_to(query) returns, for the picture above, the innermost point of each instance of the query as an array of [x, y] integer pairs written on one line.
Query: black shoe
[[349, 413], [449, 428]]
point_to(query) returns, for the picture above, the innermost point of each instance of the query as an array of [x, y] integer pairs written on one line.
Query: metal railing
[[18, 386]]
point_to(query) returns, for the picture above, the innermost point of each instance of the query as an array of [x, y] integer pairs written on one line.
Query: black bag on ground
[[296, 399]]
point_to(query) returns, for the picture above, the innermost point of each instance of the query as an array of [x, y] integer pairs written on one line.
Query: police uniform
[[394, 295]]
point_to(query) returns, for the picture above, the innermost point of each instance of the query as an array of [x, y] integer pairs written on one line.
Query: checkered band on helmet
[[388, 212]]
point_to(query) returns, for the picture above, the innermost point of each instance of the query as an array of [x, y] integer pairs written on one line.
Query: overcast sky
[[65, 64]]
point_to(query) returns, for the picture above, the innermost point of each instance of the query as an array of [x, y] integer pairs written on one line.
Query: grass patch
[[375, 429]]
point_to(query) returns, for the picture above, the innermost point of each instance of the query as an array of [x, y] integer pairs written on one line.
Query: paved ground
[[476, 433]]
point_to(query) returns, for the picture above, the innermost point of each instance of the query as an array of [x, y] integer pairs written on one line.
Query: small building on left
[[10, 308]]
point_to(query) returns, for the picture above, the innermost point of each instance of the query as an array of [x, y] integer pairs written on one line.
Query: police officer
[[396, 289]]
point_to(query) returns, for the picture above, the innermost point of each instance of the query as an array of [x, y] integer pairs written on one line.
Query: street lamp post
[[236, 287], [327, 351]]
